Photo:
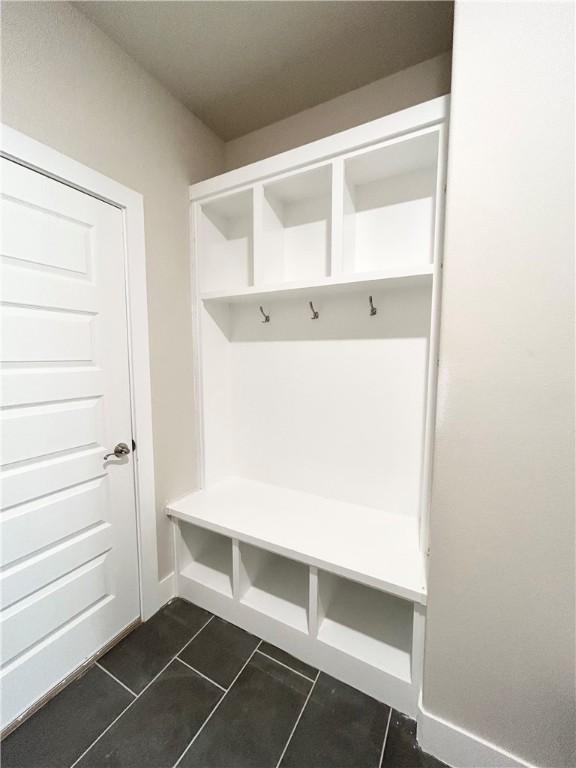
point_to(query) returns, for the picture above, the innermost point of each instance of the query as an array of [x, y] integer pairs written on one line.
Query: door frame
[[22, 149]]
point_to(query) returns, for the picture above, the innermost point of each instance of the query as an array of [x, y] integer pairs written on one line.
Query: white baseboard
[[459, 748]]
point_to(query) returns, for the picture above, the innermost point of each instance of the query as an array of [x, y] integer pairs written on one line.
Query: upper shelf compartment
[[389, 201], [225, 239], [296, 219], [357, 207]]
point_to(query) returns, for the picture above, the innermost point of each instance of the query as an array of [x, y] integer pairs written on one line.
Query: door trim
[[19, 148]]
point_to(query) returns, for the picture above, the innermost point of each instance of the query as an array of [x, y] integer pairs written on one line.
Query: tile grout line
[[192, 638], [310, 679], [293, 731], [215, 707], [139, 694], [385, 737], [115, 679], [177, 658]]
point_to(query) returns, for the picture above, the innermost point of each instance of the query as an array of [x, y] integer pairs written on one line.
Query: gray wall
[[500, 640], [68, 85], [411, 86]]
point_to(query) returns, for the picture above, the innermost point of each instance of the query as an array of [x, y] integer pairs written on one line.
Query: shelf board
[[372, 546], [340, 284]]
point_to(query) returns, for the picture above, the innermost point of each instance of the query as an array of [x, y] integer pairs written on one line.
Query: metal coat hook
[[265, 316], [373, 310], [315, 314]]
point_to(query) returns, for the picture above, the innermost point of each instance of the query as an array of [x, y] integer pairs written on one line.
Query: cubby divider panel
[[206, 557], [275, 586], [368, 624]]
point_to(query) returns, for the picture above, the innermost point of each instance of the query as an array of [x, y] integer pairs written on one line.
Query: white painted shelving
[[275, 586], [324, 286], [316, 277], [207, 558], [371, 625], [372, 546]]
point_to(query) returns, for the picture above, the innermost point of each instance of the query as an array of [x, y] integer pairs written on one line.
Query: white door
[[69, 578]]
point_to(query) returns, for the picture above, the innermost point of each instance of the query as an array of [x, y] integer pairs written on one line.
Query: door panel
[[37, 288], [65, 242], [34, 526], [34, 431], [31, 481], [31, 335], [69, 578], [48, 609], [43, 386], [55, 562]]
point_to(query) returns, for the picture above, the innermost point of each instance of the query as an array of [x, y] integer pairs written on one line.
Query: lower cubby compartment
[[360, 635], [275, 586], [206, 557], [372, 626]]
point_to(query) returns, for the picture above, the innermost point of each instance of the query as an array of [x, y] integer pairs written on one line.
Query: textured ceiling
[[242, 65]]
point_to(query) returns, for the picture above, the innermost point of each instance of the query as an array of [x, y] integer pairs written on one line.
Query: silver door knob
[[119, 450]]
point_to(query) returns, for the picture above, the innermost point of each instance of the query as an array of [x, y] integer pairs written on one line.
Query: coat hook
[[265, 316], [315, 314], [373, 310]]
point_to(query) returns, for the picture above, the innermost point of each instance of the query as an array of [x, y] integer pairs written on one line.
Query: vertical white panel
[[337, 218], [313, 602]]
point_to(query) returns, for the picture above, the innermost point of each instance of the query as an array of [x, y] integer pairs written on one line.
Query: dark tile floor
[[188, 689]]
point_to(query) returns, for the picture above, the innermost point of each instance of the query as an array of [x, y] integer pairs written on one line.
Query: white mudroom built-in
[[316, 278], [287, 384]]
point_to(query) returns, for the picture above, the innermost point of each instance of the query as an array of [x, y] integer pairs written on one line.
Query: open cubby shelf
[[317, 227], [295, 225], [225, 230], [389, 205], [275, 586], [206, 557], [317, 282], [369, 625], [359, 621]]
